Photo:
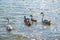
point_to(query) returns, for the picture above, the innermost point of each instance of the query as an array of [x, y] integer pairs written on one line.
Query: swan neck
[[8, 21], [42, 17], [31, 17]]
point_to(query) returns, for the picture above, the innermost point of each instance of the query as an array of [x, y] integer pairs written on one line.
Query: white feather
[[8, 27]]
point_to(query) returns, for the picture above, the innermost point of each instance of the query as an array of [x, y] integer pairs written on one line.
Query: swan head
[[41, 12], [7, 18]]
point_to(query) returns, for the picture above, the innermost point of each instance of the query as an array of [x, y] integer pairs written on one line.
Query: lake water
[[15, 10]]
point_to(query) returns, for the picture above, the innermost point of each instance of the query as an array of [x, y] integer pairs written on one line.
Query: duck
[[45, 21], [8, 26], [27, 21], [32, 19]]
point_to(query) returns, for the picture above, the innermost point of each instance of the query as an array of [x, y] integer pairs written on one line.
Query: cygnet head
[[31, 16]]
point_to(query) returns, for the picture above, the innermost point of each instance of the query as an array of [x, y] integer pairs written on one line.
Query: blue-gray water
[[16, 9]]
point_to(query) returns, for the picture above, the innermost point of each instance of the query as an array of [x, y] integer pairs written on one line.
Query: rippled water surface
[[15, 10]]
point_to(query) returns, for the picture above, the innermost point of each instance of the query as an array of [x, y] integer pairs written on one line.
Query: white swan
[[8, 27]]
